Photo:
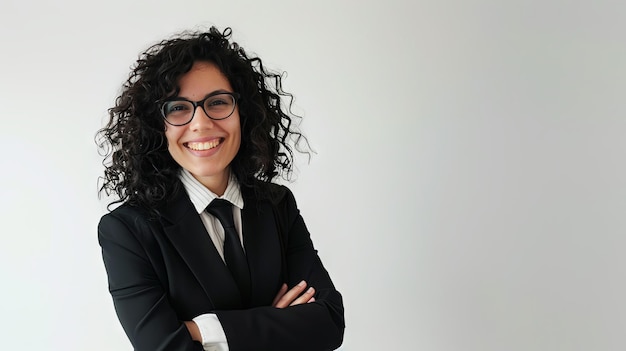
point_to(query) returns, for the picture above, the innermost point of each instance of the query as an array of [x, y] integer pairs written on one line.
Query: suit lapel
[[263, 248], [185, 230]]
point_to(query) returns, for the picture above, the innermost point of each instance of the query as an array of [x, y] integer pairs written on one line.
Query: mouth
[[204, 145]]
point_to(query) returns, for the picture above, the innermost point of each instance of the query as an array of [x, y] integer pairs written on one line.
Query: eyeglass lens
[[180, 112]]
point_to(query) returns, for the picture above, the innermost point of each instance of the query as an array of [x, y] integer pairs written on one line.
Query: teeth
[[203, 146]]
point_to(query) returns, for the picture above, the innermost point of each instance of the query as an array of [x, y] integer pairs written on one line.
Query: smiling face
[[205, 147]]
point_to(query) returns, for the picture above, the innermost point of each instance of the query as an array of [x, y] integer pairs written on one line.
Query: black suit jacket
[[164, 270]]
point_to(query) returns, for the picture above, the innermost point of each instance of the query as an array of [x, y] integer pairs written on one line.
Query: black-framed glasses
[[217, 106]]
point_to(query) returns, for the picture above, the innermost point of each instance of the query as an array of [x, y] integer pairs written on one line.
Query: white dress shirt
[[213, 337]]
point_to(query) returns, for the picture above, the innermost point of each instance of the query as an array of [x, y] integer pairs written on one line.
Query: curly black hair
[[138, 167]]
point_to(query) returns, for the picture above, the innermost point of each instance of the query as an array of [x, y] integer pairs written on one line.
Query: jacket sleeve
[[313, 326], [140, 301]]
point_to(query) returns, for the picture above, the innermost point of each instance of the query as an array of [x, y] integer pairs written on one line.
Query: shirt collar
[[201, 196]]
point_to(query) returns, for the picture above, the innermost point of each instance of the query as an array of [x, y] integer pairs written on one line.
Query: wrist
[[194, 331]]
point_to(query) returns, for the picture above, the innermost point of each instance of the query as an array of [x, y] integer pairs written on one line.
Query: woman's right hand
[[295, 296]]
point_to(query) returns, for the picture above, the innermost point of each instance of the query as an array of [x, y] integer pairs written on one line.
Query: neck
[[216, 183]]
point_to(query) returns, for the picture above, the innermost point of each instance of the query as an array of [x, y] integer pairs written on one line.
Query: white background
[[469, 186]]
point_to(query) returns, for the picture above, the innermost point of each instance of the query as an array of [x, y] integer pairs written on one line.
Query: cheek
[[170, 136], [171, 140], [238, 139], [237, 126]]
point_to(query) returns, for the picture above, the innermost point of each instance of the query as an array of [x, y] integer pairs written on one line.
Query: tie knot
[[223, 211]]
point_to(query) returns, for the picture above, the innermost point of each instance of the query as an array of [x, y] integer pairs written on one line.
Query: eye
[[216, 102], [174, 107], [219, 102]]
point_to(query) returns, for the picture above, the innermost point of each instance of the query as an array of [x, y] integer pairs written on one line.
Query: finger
[[304, 298], [311, 300], [281, 292], [291, 295]]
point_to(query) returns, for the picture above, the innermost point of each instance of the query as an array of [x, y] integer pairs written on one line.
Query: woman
[[205, 251]]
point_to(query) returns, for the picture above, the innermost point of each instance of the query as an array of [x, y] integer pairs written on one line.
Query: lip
[[207, 152]]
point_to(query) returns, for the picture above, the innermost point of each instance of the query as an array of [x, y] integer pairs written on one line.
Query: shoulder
[[276, 194], [126, 213], [125, 221]]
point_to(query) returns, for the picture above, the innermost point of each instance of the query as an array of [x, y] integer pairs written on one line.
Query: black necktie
[[233, 251]]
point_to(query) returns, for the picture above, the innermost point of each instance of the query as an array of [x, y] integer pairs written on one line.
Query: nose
[[200, 120]]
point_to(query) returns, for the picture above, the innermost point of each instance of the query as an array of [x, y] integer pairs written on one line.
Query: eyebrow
[[213, 93]]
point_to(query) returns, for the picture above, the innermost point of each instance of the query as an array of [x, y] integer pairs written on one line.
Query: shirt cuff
[[213, 337]]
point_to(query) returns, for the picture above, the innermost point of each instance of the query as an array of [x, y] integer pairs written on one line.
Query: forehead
[[202, 79]]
